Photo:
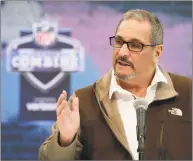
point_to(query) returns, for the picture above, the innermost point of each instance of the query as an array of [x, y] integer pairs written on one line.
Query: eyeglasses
[[132, 46]]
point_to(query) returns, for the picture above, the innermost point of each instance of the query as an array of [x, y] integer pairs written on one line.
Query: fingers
[[75, 104], [63, 106], [61, 103], [62, 97]]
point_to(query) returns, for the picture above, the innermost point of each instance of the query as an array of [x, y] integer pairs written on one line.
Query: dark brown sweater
[[101, 134]]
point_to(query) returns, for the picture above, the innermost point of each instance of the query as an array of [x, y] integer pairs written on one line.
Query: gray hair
[[156, 36]]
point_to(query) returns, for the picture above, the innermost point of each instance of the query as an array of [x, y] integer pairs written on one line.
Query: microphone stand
[[141, 130], [141, 147], [141, 108]]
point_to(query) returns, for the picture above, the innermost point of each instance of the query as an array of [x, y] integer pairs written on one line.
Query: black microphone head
[[140, 103]]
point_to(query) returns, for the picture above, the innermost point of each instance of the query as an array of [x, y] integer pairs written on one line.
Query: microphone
[[141, 106]]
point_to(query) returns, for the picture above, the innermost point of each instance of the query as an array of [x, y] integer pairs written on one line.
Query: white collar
[[158, 77]]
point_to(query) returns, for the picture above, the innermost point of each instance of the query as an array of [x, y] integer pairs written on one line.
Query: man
[[99, 121]]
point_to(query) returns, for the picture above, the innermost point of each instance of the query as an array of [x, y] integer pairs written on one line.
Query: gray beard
[[124, 77]]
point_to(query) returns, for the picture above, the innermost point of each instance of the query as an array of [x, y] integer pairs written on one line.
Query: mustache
[[124, 59]]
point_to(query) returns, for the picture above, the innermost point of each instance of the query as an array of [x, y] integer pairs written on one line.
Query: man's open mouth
[[123, 63]]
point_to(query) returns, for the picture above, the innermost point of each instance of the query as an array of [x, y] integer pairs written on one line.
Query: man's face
[[128, 64]]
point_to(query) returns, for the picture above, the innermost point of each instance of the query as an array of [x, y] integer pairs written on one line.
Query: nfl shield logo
[[45, 33], [55, 53]]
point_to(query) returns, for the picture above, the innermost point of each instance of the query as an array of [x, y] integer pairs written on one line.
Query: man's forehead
[[133, 23], [134, 29]]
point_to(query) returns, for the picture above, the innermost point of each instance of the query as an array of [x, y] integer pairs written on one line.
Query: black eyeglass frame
[[127, 43]]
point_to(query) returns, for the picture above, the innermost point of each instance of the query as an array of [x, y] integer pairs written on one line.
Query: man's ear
[[157, 53]]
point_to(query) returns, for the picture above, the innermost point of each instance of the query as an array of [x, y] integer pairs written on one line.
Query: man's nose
[[124, 50]]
